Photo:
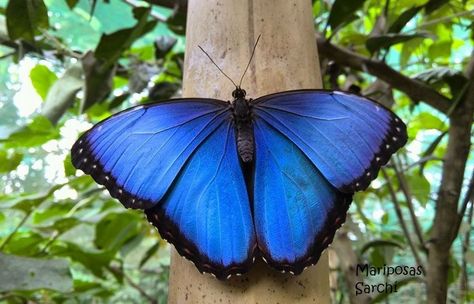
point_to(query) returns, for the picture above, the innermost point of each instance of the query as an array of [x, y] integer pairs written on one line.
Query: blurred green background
[[65, 65]]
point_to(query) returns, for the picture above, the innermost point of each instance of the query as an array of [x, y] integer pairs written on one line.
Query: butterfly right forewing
[[347, 137]]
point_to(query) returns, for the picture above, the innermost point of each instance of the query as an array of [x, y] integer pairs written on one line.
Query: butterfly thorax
[[243, 121]]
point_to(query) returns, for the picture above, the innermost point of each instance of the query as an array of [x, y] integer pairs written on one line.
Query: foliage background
[[67, 64]]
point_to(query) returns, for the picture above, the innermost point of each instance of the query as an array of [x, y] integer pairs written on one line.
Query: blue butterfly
[[228, 182]]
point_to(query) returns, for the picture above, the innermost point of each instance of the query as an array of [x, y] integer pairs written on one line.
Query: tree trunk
[[444, 226], [286, 58]]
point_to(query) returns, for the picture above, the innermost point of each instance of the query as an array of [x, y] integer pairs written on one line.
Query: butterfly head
[[239, 93], [240, 104]]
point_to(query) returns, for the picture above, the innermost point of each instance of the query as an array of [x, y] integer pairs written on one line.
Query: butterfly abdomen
[[243, 123], [245, 142]]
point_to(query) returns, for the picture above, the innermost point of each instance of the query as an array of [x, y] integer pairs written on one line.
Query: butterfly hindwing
[[346, 136], [206, 213], [296, 210], [137, 153]]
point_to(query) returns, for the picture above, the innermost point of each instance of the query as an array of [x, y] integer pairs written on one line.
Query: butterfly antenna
[[251, 56], [217, 66]]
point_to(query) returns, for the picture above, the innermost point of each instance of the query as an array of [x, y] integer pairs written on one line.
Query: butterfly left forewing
[[136, 154]]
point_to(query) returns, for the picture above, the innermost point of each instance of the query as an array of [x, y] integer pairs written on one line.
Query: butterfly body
[[185, 162], [242, 114]]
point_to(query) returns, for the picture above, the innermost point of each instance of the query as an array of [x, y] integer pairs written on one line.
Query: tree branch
[[180, 5], [416, 90], [408, 196], [15, 230], [402, 222], [119, 271], [467, 198]]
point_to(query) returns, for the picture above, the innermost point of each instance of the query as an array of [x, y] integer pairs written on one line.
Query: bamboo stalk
[[286, 58]]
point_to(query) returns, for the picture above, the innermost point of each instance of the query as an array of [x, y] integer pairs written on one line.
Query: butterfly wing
[[296, 210], [347, 137], [207, 210], [137, 153], [178, 161]]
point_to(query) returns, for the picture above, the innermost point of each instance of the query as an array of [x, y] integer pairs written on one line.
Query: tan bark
[[286, 58]]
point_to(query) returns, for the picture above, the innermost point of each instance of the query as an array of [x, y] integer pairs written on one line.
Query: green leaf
[[96, 262], [26, 203], [143, 53], [98, 80], [408, 50], [431, 149], [54, 211], [440, 49], [469, 297], [72, 3], [118, 100], [25, 243], [377, 258], [403, 19], [380, 243], [111, 46], [99, 66], [342, 12], [83, 286], [61, 225], [163, 45], [115, 229], [433, 5], [454, 270], [177, 23], [419, 186], [39, 131], [425, 121], [81, 183], [42, 79], [26, 19], [22, 273], [9, 161], [376, 43], [470, 257], [62, 94], [437, 76], [141, 73], [149, 253], [69, 169]]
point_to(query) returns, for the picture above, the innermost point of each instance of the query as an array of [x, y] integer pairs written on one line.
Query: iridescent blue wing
[[347, 137], [137, 153], [296, 210], [178, 161], [207, 210]]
